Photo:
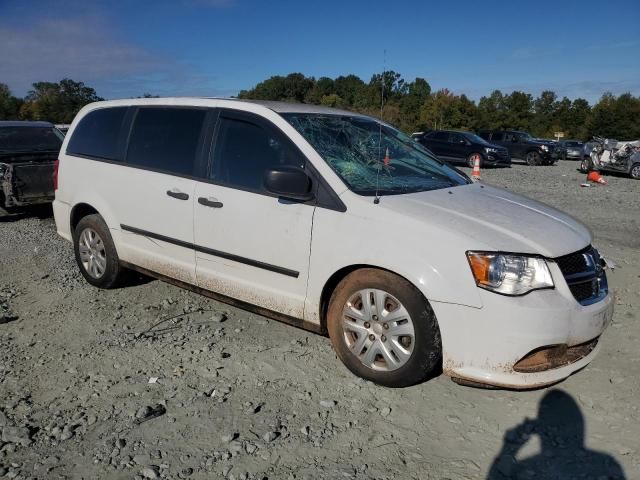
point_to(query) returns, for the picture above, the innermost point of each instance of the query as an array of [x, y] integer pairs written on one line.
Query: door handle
[[178, 195], [210, 202]]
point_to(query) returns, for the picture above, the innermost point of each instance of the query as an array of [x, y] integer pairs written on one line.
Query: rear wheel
[[533, 158], [585, 165], [635, 171], [96, 253], [383, 329]]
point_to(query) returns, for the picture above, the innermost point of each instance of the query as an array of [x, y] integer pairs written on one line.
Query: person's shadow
[[560, 427]]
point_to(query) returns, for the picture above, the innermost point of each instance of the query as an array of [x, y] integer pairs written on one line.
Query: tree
[[323, 87], [544, 108], [517, 111], [413, 106], [9, 105], [491, 111], [616, 117], [292, 88], [57, 102]]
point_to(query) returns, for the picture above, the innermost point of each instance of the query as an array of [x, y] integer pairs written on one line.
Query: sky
[[125, 48]]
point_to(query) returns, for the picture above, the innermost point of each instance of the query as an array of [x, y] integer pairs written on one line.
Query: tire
[[585, 165], [411, 341], [471, 160], [635, 171], [96, 253], [3, 211], [533, 158]]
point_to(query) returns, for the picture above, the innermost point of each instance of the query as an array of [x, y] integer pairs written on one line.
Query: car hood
[[495, 219]]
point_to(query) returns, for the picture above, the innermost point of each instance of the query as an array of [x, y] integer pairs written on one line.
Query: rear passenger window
[[497, 137], [443, 136], [245, 150], [166, 139], [98, 134]]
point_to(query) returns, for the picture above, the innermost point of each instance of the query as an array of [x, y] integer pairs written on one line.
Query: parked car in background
[[28, 151], [333, 221], [462, 147], [522, 146], [572, 150], [63, 127]]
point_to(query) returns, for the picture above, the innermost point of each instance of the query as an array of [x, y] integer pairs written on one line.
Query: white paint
[[422, 237]]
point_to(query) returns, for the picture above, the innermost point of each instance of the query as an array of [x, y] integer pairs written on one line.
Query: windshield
[[476, 139], [30, 139], [525, 136], [370, 156]]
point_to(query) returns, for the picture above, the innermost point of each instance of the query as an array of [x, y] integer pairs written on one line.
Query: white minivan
[[335, 222]]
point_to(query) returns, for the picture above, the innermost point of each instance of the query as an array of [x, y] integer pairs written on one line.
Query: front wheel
[[383, 329], [635, 171], [533, 158], [585, 165], [96, 253]]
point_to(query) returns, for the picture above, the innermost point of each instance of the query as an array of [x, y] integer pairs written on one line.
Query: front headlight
[[509, 274], [544, 147], [490, 150]]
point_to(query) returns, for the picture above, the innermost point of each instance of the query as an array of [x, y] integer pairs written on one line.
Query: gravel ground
[[150, 381]]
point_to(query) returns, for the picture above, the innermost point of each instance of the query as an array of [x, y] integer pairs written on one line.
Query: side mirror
[[288, 182]]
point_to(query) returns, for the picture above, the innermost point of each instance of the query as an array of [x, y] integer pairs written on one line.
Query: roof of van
[[18, 123], [278, 107], [289, 107]]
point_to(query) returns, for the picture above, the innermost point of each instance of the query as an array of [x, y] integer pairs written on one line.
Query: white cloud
[[90, 50], [80, 48]]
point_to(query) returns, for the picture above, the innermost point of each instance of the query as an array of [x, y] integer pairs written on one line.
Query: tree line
[[413, 106], [55, 102], [409, 105]]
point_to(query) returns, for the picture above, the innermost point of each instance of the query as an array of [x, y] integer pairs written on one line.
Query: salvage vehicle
[[459, 146], [523, 146], [28, 151], [608, 155], [338, 223]]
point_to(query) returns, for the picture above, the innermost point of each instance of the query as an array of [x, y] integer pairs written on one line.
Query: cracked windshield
[[371, 157]]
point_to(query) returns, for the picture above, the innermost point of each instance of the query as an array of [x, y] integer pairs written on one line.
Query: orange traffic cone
[[595, 177], [476, 167]]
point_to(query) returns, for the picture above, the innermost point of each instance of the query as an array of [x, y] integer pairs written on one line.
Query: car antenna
[[376, 199]]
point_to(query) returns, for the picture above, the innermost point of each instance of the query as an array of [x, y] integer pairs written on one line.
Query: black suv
[[523, 146], [458, 146], [28, 151]]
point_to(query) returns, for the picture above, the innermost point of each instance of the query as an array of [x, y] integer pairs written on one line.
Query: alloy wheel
[[92, 253]]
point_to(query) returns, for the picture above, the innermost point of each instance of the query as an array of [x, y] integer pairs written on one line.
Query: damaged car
[[28, 152], [608, 155], [336, 222]]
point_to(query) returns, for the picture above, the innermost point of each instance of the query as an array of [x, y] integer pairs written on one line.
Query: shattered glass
[[370, 156]]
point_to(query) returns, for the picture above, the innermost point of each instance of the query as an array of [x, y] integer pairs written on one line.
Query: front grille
[[585, 275]]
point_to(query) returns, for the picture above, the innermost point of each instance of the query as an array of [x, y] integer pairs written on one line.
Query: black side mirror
[[288, 182]]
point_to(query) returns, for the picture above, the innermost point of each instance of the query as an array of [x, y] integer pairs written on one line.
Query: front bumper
[[490, 345], [497, 160]]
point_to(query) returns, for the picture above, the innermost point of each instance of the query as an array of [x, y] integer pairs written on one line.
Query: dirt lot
[[84, 371]]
